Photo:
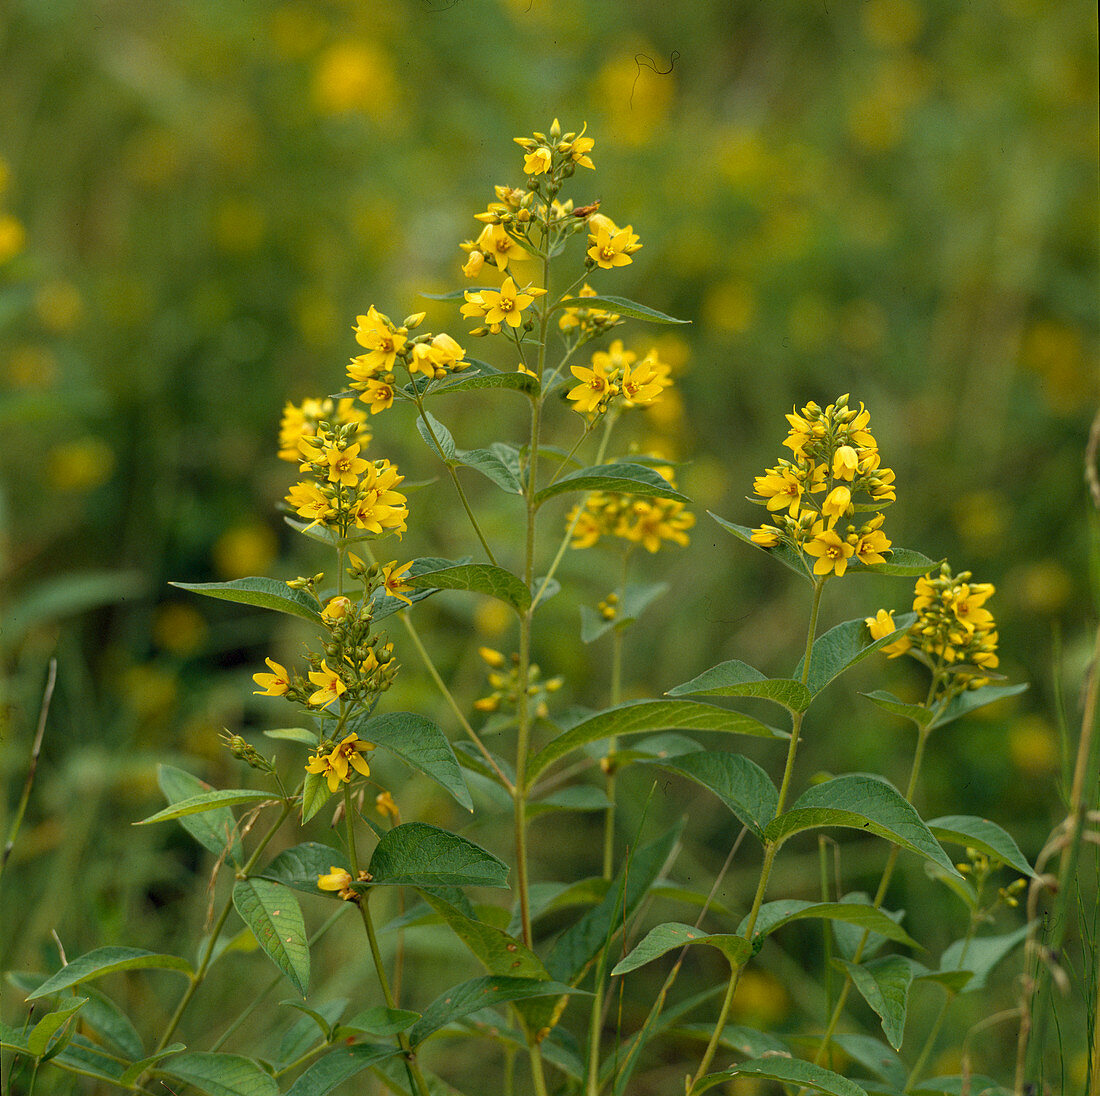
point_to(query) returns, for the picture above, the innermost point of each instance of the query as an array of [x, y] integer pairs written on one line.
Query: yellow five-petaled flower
[[336, 765]]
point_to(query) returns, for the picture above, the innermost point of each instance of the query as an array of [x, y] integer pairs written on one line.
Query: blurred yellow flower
[[179, 628], [80, 465], [59, 305], [13, 237], [354, 76], [244, 550]]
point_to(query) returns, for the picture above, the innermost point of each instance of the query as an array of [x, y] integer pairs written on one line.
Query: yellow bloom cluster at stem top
[[834, 459], [650, 522], [617, 377]]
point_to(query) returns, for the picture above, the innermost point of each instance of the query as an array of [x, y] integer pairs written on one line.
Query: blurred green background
[[893, 198]]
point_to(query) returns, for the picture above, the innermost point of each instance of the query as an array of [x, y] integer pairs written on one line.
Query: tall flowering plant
[[552, 989]]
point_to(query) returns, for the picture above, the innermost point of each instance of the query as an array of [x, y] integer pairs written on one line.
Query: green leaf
[[917, 713], [222, 1074], [418, 855], [211, 829], [982, 955], [970, 701], [903, 563], [379, 1020], [384, 605], [478, 993], [637, 716], [736, 678], [482, 375], [624, 477], [307, 1029], [875, 1055], [622, 305], [101, 961], [294, 734], [315, 794], [111, 1024], [784, 553], [774, 915], [973, 1084], [852, 938], [861, 803], [83, 1056], [576, 797], [983, 835], [842, 647], [500, 463], [42, 1034], [746, 1041], [207, 801], [420, 744], [275, 918], [299, 867], [264, 593], [585, 939], [789, 1071], [135, 1069], [673, 934], [337, 1066], [443, 445], [482, 578], [884, 984], [741, 784], [635, 599]]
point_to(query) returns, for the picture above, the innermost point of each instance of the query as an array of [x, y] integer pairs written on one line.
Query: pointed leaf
[[972, 1084], [493, 466], [50, 1025], [624, 477], [299, 867], [636, 597], [379, 1020], [418, 855], [673, 934], [264, 593], [774, 915], [211, 829], [482, 578], [101, 961], [902, 563], [304, 1033], [741, 784], [970, 701], [647, 715], [324, 1024], [861, 803], [222, 1074], [918, 713], [982, 955], [736, 678], [420, 744], [875, 1055], [478, 993], [791, 1071], [784, 553], [207, 801], [884, 984], [315, 794], [337, 1066], [294, 734], [111, 1024], [844, 646], [275, 918], [81, 1055], [622, 305], [135, 1069], [983, 835], [852, 938], [443, 445], [575, 797], [483, 375]]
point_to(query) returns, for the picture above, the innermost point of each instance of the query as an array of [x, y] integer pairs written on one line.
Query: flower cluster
[[336, 764], [834, 458], [344, 491], [650, 522], [505, 683], [301, 421], [586, 322], [954, 634], [390, 347], [617, 377], [496, 308]]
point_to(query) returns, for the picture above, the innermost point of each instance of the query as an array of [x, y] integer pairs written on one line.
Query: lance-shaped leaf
[[970, 701], [917, 713], [316, 1023], [113, 1027], [901, 563], [792, 1071], [378, 1020], [294, 734], [418, 855], [875, 1055], [315, 795], [624, 477], [337, 1066], [478, 993], [637, 716], [207, 801], [583, 941], [673, 934], [211, 829], [959, 1085], [784, 553], [275, 918], [980, 956], [384, 605], [499, 463], [853, 938], [264, 593], [774, 915], [482, 578], [40, 1036], [983, 835], [861, 803], [844, 646], [741, 784], [81, 1055], [300, 867], [420, 744], [437, 437], [135, 1069], [101, 961], [482, 375], [575, 797], [636, 597], [222, 1074], [736, 678], [884, 984], [622, 305]]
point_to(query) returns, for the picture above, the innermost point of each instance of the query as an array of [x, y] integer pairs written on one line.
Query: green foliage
[[273, 915]]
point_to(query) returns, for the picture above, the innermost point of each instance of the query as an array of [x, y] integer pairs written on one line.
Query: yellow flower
[[779, 487], [495, 243], [836, 504], [346, 756], [537, 161], [393, 580], [767, 536], [374, 332], [882, 624], [309, 501], [329, 686], [337, 880], [336, 609], [379, 507], [845, 460], [593, 391], [276, 683], [966, 603], [868, 547], [494, 658], [611, 246], [386, 806], [471, 268], [345, 465], [832, 553], [378, 395], [446, 353], [506, 306], [579, 148]]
